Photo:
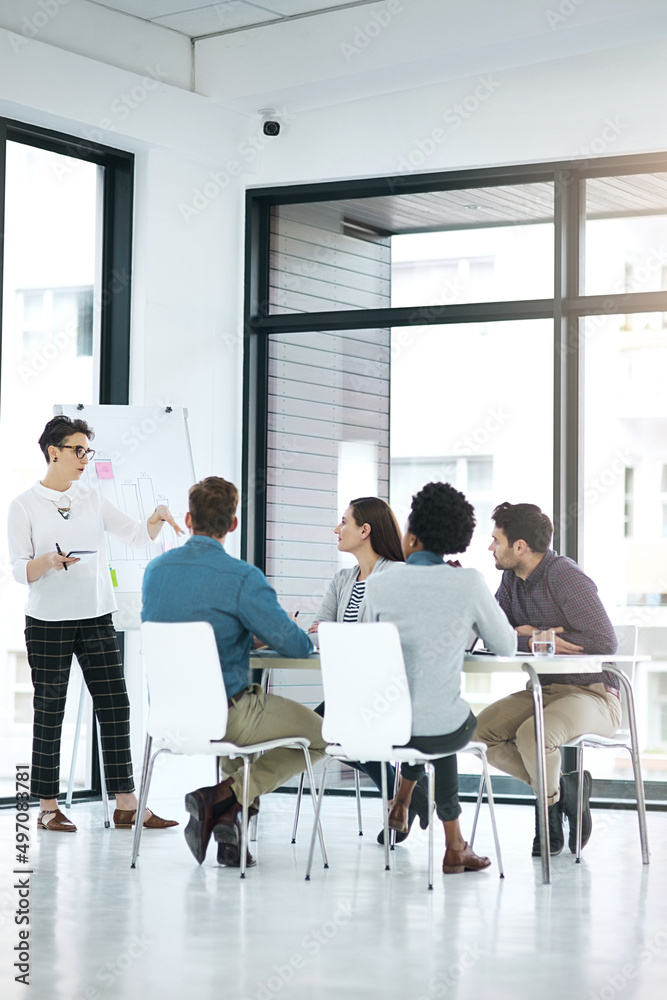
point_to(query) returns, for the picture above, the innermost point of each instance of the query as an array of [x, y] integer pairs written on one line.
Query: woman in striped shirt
[[369, 531]]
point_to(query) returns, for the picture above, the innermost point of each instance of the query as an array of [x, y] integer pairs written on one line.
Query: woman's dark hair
[[442, 519], [59, 429], [385, 533], [525, 521]]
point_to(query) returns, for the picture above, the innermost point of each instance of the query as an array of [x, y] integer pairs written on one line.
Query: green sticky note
[[114, 581]]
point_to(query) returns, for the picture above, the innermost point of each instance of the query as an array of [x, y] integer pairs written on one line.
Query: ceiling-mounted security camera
[[270, 121]]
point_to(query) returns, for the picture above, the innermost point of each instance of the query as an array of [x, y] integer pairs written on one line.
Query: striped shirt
[[356, 597]]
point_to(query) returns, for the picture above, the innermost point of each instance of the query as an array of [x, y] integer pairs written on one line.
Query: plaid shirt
[[558, 593]]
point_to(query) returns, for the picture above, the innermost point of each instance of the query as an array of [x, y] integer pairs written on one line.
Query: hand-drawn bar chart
[[142, 459]]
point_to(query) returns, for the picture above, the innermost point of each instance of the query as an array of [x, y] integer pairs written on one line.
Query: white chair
[[188, 710], [625, 737], [369, 715]]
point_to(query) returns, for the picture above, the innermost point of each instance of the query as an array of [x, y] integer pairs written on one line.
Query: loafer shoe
[[455, 862], [418, 807], [556, 835], [569, 786], [205, 805], [228, 834], [124, 819]]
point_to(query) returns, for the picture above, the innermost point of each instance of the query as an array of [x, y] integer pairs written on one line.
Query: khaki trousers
[[254, 717], [508, 729]]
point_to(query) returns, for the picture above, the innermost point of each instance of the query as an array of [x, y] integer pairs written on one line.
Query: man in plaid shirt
[[541, 590]]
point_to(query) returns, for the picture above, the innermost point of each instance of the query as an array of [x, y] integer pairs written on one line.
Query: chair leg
[[357, 788], [146, 773], [641, 804], [480, 799], [431, 797], [316, 822], [486, 780], [580, 799], [298, 806], [313, 795], [244, 817], [103, 780], [385, 813], [397, 781], [75, 748]]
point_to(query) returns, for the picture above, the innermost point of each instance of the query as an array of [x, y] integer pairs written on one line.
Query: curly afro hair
[[442, 519]]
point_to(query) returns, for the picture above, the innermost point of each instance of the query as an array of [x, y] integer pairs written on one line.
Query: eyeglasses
[[80, 450]]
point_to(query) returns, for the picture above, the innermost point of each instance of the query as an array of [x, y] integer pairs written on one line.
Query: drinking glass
[[544, 642]]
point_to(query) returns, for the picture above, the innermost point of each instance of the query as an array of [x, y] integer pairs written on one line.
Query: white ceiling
[[197, 18]]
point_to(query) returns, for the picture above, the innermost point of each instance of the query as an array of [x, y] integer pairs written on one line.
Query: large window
[[526, 315], [65, 209]]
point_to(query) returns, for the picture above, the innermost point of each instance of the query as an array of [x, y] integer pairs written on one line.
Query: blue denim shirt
[[200, 582]]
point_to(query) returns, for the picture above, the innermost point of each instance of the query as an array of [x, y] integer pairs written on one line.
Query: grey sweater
[[339, 591], [434, 607]]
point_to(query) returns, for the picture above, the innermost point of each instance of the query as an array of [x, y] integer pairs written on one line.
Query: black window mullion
[[116, 290], [569, 225], [255, 383]]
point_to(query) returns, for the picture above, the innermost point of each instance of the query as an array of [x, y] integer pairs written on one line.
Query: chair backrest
[[367, 700], [186, 690], [627, 637]]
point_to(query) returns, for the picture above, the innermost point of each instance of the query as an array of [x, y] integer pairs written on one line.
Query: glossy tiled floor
[[171, 929]]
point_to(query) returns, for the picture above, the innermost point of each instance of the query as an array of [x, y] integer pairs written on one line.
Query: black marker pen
[[60, 553]]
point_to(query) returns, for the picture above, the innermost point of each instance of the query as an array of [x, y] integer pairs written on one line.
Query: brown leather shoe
[[205, 805], [59, 823], [465, 860], [124, 819], [228, 834], [398, 817]]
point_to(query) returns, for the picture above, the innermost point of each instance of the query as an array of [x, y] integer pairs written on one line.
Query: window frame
[[567, 308], [116, 280]]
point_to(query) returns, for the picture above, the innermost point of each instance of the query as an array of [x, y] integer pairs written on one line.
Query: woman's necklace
[[63, 511]]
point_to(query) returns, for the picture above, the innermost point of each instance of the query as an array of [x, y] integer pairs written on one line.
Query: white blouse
[[35, 527]]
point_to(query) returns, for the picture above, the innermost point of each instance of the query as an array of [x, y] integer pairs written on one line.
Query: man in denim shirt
[[201, 582]]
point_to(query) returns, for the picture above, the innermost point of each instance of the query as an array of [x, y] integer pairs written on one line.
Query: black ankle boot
[[556, 836]]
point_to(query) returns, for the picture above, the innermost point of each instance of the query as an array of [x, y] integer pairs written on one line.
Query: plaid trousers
[[50, 647]]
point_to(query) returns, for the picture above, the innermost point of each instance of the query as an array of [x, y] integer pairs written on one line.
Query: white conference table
[[479, 663]]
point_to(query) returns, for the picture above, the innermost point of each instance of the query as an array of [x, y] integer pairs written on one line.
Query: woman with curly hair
[[434, 605]]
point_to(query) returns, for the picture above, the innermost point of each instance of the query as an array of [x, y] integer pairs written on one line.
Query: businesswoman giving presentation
[[57, 547]]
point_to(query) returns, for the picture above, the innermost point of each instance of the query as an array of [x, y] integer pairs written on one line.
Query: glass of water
[[544, 642]]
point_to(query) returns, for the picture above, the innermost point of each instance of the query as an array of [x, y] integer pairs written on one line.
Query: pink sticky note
[[104, 470]]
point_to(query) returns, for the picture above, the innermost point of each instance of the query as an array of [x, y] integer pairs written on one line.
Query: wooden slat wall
[[317, 265], [324, 389]]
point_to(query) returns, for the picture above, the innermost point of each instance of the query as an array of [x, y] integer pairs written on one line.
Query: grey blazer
[[339, 591]]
